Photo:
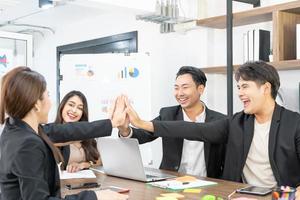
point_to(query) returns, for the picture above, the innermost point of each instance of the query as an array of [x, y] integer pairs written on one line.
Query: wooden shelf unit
[[279, 65], [284, 16]]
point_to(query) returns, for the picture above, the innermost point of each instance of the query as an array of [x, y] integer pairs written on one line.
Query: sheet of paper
[[80, 174], [178, 185]]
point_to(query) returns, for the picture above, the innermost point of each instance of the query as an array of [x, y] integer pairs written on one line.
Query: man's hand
[[132, 114], [298, 193], [124, 128], [135, 120]]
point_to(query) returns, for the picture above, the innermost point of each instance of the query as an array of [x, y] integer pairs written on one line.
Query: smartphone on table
[[83, 185], [255, 190]]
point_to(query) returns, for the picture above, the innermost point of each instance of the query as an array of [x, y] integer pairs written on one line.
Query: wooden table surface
[[142, 191]]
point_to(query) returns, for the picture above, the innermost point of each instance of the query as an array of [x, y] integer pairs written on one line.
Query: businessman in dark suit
[[263, 140], [187, 156]]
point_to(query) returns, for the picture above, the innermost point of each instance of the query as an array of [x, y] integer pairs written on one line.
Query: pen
[[185, 183]]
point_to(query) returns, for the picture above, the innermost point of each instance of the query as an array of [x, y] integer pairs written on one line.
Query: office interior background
[[73, 21]]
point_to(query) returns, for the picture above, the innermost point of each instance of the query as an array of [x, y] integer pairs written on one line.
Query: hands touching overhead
[[122, 113], [117, 112]]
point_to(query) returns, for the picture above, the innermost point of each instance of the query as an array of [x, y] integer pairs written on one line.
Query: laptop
[[121, 157]]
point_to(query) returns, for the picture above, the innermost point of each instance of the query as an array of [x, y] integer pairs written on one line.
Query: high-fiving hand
[[117, 112], [122, 113]]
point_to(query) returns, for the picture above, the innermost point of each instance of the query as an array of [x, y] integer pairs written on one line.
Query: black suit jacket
[[237, 132], [28, 170], [172, 147]]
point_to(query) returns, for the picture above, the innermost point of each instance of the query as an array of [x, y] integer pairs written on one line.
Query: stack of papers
[[181, 183], [79, 174]]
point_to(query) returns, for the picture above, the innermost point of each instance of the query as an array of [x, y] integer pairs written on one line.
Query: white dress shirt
[[192, 159]]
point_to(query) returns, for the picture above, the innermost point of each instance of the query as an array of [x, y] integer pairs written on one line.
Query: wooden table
[[142, 191]]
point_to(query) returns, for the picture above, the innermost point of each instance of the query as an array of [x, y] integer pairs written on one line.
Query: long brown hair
[[20, 90], [89, 146]]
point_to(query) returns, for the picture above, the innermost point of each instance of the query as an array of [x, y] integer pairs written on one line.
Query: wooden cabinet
[[284, 16]]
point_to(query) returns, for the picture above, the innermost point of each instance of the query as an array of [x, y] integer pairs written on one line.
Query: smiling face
[[73, 109], [253, 95], [186, 92]]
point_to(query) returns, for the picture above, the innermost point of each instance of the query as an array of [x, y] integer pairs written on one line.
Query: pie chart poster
[[102, 77]]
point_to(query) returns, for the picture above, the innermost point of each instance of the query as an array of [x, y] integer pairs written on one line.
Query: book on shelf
[[256, 45], [245, 47], [261, 45], [251, 45]]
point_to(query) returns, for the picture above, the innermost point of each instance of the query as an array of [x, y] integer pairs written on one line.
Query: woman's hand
[[109, 195], [117, 113], [75, 167]]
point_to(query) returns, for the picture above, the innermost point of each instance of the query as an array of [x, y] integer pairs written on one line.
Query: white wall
[[202, 47]]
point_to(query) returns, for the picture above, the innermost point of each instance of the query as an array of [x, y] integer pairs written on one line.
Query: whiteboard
[[102, 77]]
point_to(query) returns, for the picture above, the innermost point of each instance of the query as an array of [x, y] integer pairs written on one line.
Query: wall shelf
[[284, 16], [253, 16], [279, 65]]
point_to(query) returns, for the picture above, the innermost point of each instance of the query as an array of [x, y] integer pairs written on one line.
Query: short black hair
[[259, 72], [197, 74]]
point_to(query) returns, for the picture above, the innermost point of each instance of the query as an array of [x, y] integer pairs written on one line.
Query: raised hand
[[117, 112], [111, 109], [132, 114], [135, 120]]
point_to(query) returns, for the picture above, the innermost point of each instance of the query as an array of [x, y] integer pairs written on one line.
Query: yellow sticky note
[[166, 198], [192, 190], [174, 195], [186, 179]]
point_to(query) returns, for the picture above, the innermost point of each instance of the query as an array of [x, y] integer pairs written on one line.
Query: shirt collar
[[199, 118]]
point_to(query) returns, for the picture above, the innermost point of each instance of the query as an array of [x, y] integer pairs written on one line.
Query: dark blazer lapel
[[208, 114], [248, 136], [179, 114], [208, 118], [272, 138]]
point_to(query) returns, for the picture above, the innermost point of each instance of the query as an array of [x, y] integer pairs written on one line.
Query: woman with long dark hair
[[77, 155], [28, 160]]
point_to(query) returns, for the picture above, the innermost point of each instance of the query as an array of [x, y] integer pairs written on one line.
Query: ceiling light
[[45, 4]]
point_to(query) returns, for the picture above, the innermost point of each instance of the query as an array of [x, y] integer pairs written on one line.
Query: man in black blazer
[[187, 156], [263, 140]]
